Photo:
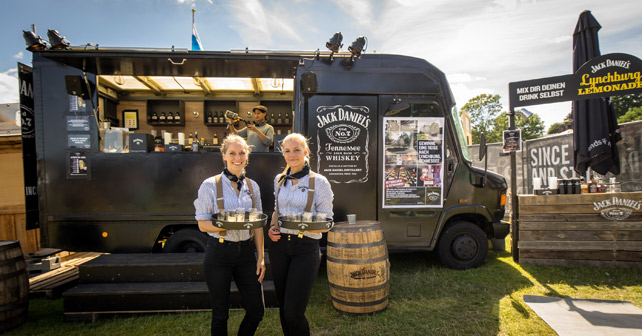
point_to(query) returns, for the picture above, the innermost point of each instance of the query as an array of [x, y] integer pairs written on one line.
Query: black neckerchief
[[234, 178], [297, 175], [260, 124]]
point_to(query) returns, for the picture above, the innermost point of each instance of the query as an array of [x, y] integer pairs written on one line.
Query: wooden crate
[[581, 230], [13, 227], [12, 197]]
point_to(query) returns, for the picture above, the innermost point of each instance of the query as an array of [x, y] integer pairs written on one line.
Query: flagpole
[[193, 11]]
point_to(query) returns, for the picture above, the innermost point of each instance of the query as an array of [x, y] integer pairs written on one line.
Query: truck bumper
[[501, 229]]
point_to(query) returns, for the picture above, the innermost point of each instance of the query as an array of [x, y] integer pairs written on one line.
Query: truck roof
[[373, 73], [182, 62]]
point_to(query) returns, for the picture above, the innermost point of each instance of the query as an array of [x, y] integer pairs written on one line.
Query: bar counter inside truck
[[383, 129]]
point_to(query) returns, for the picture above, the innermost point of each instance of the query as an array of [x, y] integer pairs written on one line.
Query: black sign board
[[343, 147], [603, 76], [77, 165], [30, 168], [344, 135], [77, 123], [79, 140], [512, 141]]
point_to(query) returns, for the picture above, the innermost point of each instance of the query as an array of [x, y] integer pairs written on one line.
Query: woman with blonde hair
[[230, 253], [295, 255]]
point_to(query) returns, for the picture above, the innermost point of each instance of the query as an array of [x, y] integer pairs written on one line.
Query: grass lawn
[[425, 299]]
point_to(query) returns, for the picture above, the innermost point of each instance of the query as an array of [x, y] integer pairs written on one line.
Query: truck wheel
[[463, 245], [186, 241]]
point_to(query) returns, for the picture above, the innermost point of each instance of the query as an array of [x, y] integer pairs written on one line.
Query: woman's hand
[[274, 233], [260, 269]]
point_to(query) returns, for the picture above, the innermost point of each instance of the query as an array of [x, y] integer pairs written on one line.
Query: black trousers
[[295, 265], [224, 262]]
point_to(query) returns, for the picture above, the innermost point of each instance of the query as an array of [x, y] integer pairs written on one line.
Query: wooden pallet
[[581, 230], [53, 283]]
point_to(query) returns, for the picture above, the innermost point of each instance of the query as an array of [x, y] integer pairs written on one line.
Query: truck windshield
[[461, 136]]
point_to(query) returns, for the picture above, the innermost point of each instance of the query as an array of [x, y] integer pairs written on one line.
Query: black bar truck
[[124, 137]]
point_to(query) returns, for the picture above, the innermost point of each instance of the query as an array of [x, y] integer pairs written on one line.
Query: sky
[[481, 45]]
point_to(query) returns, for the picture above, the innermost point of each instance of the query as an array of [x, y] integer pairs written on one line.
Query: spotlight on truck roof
[[33, 41], [358, 46], [335, 42], [56, 40]]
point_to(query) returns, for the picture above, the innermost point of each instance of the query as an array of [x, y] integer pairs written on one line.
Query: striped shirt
[[205, 204], [293, 199]]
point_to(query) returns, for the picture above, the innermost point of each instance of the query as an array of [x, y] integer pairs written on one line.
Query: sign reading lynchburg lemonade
[[602, 76]]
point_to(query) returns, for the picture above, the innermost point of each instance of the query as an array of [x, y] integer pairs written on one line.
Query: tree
[[555, 128], [632, 115], [482, 109], [622, 104], [532, 128]]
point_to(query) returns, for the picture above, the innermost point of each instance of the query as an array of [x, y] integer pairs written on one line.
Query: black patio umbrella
[[595, 128]]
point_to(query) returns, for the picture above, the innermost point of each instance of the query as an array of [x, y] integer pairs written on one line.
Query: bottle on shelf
[[177, 117], [154, 117], [162, 118], [287, 117], [209, 117], [279, 120], [195, 143], [215, 139], [592, 186], [584, 186], [170, 117], [272, 118], [221, 117]]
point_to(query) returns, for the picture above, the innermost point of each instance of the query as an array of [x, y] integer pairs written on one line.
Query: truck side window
[[418, 110]]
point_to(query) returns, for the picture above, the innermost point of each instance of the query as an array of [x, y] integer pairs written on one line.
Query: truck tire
[[463, 245], [186, 241]]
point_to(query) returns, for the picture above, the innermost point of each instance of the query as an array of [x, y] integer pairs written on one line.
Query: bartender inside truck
[[259, 133]]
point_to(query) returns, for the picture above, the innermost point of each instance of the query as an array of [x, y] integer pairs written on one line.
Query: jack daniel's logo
[[364, 273], [616, 208]]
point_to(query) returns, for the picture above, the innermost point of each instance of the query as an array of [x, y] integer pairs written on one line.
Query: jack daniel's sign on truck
[[383, 129]]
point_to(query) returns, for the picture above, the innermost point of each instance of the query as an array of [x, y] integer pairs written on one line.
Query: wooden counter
[[581, 230]]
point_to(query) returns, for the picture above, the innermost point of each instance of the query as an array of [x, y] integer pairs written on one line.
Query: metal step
[[147, 267], [85, 301], [146, 283]]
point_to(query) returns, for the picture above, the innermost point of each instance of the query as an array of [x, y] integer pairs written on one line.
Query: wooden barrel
[[358, 267], [14, 286]]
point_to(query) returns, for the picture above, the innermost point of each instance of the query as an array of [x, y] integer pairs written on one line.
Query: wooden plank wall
[[570, 230], [12, 198]]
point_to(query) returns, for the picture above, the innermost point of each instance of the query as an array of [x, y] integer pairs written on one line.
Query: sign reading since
[[413, 163], [602, 76]]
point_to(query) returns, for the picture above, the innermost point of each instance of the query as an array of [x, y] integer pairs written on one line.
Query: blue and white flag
[[196, 41]]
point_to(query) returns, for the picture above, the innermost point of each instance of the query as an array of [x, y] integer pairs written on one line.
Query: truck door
[[412, 134], [343, 142]]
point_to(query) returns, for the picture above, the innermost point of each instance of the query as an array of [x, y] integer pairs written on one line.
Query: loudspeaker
[[309, 82], [76, 86]]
